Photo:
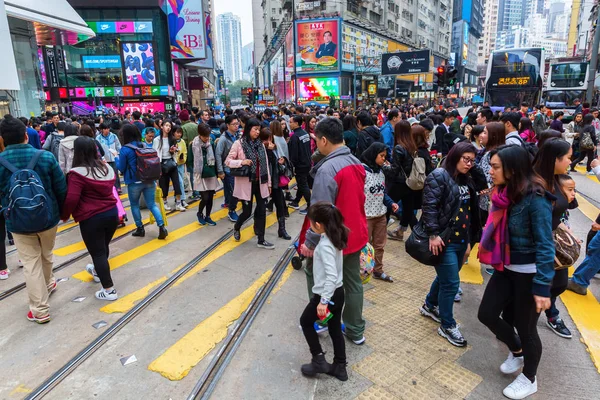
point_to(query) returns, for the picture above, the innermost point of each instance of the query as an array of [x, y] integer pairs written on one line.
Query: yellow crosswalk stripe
[[124, 304], [583, 171], [471, 272], [587, 208], [79, 246]]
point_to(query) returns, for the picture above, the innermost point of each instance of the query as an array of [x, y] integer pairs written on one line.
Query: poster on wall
[[52, 66], [42, 67], [317, 46], [317, 89], [368, 46], [176, 76], [186, 28], [208, 62], [138, 63]]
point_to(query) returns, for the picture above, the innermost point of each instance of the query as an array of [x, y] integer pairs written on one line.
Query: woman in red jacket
[[91, 202]]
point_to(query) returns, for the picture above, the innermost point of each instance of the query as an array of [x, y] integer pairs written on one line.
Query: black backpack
[[531, 148], [148, 168]]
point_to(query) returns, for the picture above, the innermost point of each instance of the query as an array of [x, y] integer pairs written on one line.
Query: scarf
[[197, 146], [254, 150], [494, 248]]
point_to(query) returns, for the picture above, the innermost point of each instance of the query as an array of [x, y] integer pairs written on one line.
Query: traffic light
[[250, 95], [441, 76], [256, 92], [451, 76]]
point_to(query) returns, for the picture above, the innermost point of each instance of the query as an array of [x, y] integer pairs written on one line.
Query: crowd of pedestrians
[[495, 180]]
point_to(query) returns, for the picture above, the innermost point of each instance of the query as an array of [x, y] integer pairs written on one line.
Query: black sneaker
[[236, 235], [318, 365], [431, 312], [263, 244], [339, 371], [453, 335], [294, 205], [558, 326], [139, 232], [162, 232]]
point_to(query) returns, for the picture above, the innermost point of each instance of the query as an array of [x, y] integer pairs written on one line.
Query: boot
[[281, 232], [318, 365], [339, 371], [139, 232], [162, 232]]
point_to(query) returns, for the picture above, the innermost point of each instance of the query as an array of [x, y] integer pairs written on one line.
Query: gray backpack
[[416, 179], [55, 144]]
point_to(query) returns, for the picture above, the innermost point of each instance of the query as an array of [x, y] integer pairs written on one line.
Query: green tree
[[235, 89]]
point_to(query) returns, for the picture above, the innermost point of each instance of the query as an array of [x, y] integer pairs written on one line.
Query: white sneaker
[[520, 388], [167, 206], [102, 294], [4, 274], [183, 203], [512, 364], [180, 207], [92, 271]]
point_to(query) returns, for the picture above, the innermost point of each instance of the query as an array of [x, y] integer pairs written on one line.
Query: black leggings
[[508, 287], [172, 176], [304, 182], [259, 214], [279, 202], [206, 202], [408, 210], [3, 265], [582, 154], [97, 232], [308, 318]]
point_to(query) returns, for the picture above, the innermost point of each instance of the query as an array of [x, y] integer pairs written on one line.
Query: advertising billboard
[[208, 62], [187, 30], [317, 89], [409, 62], [120, 27], [317, 46], [369, 48], [138, 63], [101, 62]]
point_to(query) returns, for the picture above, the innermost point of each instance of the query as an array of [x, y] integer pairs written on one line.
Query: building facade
[[467, 30], [248, 62], [487, 42], [229, 30]]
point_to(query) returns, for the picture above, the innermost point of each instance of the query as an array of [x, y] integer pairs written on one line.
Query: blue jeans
[[590, 265], [134, 192], [181, 172], [445, 285], [228, 184]]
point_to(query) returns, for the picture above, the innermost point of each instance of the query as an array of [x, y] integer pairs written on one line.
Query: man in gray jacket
[[221, 152]]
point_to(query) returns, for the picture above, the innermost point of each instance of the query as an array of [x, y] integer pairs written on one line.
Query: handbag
[[417, 244], [567, 249], [167, 166], [243, 171]]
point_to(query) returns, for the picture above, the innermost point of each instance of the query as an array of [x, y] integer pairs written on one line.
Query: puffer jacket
[[367, 137], [441, 199], [401, 161]]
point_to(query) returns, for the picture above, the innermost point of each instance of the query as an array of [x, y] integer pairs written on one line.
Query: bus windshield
[[563, 98], [511, 98], [568, 75]]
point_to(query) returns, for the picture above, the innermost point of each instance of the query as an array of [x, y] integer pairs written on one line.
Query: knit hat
[[184, 115]]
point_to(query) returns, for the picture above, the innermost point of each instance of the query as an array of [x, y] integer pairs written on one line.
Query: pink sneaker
[[52, 288], [39, 320], [4, 274]]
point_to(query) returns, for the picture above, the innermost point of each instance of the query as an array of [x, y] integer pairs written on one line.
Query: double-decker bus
[[514, 76], [567, 81]]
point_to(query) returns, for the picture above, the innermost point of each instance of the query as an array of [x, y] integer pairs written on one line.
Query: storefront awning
[[55, 21]]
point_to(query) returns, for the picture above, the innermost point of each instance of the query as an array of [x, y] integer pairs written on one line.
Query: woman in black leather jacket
[[450, 199], [402, 159]]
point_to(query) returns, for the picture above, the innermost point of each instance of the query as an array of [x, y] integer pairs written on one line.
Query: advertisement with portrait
[[138, 63], [208, 62], [369, 48], [317, 89], [317, 45], [187, 28]]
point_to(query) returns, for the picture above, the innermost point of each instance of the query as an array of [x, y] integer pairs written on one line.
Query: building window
[[274, 24], [374, 17]]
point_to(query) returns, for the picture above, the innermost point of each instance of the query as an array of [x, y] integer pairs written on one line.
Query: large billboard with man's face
[[317, 46]]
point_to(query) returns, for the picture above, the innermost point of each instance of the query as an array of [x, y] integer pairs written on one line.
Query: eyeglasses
[[468, 160]]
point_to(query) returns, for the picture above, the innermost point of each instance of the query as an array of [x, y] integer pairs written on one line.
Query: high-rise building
[[467, 29], [582, 43], [267, 16], [248, 62], [512, 13], [487, 42], [229, 32]]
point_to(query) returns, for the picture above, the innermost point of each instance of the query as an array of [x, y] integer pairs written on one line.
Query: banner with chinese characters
[[368, 46], [317, 45]]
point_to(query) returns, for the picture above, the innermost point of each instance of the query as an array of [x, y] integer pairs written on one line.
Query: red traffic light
[[249, 91], [441, 69]]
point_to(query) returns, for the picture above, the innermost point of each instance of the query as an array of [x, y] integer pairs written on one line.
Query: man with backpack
[[32, 212], [53, 139]]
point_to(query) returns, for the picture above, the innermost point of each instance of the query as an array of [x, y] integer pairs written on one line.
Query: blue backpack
[[29, 207]]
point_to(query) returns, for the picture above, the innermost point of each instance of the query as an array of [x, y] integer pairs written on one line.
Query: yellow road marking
[[177, 361], [149, 247], [583, 171], [124, 304], [20, 389], [471, 272], [587, 208], [79, 246]]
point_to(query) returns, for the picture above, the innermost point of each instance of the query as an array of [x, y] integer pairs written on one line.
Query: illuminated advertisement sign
[[143, 107], [317, 89], [317, 46], [368, 46], [409, 62], [208, 62], [138, 63], [187, 28], [127, 91], [522, 80], [101, 62], [121, 26]]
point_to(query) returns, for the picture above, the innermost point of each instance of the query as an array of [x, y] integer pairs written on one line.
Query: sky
[[241, 8]]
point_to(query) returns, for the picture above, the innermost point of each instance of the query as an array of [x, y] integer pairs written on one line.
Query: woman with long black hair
[[90, 199], [553, 160], [250, 154], [518, 243], [166, 146]]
